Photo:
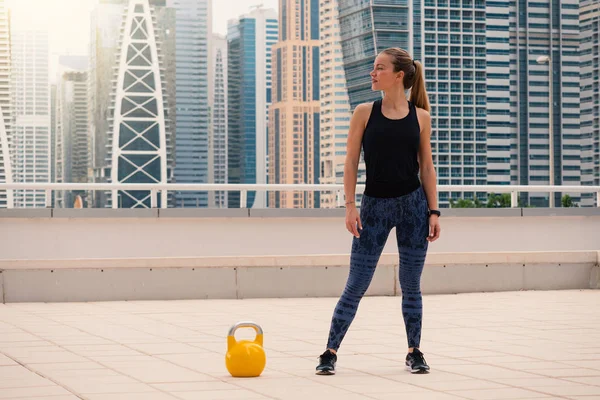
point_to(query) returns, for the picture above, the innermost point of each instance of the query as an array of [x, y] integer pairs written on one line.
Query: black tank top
[[391, 148]]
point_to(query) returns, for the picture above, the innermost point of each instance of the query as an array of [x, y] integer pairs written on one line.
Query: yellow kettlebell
[[245, 358]]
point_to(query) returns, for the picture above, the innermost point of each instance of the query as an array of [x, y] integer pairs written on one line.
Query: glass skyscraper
[[455, 73], [489, 93], [335, 105], [250, 93], [590, 95], [366, 28], [6, 197], [30, 133], [449, 38], [193, 26], [218, 141], [294, 123], [518, 95]]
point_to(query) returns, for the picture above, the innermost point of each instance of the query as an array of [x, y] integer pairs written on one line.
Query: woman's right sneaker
[[327, 362]]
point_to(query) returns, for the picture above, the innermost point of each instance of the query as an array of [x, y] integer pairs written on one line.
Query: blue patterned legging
[[409, 215]]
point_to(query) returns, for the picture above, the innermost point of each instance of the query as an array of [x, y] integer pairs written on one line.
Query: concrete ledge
[[118, 284], [275, 213], [315, 281], [281, 276], [562, 212], [298, 213], [481, 212], [469, 278], [26, 213], [517, 257], [595, 276], [316, 260], [202, 212], [105, 213], [556, 276]]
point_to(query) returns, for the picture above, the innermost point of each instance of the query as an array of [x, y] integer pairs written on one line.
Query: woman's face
[[383, 76]]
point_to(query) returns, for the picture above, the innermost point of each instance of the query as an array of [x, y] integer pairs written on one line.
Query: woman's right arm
[[358, 123]]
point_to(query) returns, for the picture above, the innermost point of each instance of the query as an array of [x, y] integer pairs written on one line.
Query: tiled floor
[[517, 345]]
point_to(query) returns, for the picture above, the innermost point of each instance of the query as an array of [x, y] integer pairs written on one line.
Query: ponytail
[[418, 93], [414, 78]]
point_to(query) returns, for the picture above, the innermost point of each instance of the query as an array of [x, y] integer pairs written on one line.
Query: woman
[[395, 136]]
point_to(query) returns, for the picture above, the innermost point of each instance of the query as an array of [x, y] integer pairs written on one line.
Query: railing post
[[339, 198], [597, 199], [48, 198], [243, 199], [153, 194], [164, 198], [514, 200]]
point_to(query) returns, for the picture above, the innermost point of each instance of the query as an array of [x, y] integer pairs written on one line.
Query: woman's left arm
[[427, 172]]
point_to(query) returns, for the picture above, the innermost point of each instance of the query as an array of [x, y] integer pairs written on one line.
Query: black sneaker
[[327, 362], [415, 362]]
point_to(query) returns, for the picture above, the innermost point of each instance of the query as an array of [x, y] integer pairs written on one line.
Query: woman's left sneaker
[[415, 362]]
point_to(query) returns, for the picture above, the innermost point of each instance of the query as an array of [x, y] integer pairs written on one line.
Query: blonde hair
[[413, 76]]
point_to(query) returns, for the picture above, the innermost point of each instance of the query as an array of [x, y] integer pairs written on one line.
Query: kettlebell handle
[[245, 324]]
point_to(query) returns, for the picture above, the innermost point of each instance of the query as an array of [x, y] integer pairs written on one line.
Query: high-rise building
[[501, 160], [105, 28], [489, 93], [193, 21], [132, 98], [53, 139], [30, 133], [251, 39], [6, 175], [518, 95], [71, 133], [589, 19], [294, 120], [218, 143], [454, 55], [65, 64], [335, 105], [367, 28], [448, 38]]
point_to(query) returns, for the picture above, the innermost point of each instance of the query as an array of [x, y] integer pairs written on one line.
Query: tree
[[466, 203], [462, 203], [567, 201], [499, 200]]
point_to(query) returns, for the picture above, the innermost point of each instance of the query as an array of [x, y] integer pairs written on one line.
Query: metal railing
[[156, 189]]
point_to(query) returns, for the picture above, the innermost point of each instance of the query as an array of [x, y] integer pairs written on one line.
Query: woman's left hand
[[434, 228]]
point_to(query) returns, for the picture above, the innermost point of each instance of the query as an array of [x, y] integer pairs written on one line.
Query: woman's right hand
[[353, 220]]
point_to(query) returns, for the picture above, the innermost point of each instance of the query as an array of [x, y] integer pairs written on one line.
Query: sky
[[69, 30], [223, 10]]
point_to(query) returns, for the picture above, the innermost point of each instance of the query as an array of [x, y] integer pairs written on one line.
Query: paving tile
[[498, 394], [221, 395], [571, 390], [429, 395], [38, 391], [194, 386], [130, 396], [508, 345]]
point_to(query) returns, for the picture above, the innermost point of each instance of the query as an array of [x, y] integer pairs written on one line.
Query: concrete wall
[[285, 276], [45, 234], [93, 255]]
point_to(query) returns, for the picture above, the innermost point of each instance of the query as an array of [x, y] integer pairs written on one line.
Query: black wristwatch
[[435, 212]]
